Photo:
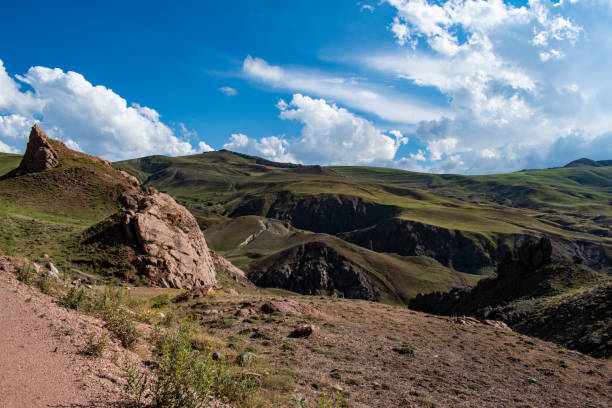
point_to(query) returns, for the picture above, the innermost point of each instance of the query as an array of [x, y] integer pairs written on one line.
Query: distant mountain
[[588, 162]]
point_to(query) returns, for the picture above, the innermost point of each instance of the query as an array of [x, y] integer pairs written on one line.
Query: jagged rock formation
[[541, 294], [151, 237], [39, 155], [313, 268], [173, 250]]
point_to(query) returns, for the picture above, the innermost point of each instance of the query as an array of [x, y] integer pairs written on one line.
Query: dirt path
[[41, 363]]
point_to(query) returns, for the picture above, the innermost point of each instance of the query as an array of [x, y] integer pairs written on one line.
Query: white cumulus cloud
[[329, 135], [90, 118]]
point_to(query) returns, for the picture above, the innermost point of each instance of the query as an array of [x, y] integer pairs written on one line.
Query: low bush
[[95, 346], [185, 378]]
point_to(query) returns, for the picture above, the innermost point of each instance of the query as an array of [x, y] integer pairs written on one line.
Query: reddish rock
[[288, 307], [39, 154], [175, 253], [497, 323]]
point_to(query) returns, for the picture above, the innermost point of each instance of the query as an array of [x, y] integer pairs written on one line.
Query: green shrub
[[75, 298], [184, 378], [406, 349], [26, 273], [120, 324], [46, 284], [337, 402], [95, 346]]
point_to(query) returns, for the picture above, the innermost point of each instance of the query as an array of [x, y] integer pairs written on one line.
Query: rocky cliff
[[538, 293], [314, 268], [331, 214]]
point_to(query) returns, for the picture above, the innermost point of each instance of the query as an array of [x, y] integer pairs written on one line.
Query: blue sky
[[468, 87]]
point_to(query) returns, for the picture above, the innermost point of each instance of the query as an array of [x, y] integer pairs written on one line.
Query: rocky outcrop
[[172, 250], [39, 154], [465, 252], [539, 293], [331, 214], [225, 267], [313, 268]]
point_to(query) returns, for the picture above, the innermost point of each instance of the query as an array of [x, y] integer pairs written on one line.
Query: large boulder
[[39, 155], [172, 249]]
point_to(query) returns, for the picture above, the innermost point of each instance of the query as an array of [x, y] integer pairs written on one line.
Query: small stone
[[45, 256], [303, 331], [244, 313], [52, 272], [36, 267], [218, 356]]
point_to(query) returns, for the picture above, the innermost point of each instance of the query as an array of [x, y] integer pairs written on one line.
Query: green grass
[[214, 185], [8, 162]]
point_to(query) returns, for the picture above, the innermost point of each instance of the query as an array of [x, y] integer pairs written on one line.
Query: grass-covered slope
[[8, 162], [46, 212], [564, 302], [324, 264], [571, 204]]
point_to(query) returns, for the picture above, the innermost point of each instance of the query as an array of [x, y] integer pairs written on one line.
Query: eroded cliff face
[[330, 214], [466, 251], [313, 269], [540, 293]]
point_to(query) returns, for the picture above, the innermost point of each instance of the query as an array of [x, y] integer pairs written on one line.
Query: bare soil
[[389, 356], [42, 359]]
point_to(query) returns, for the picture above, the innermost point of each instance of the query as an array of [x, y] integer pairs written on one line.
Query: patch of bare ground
[[376, 355], [48, 354]]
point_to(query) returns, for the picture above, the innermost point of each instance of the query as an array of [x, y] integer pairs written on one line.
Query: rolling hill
[[490, 214]]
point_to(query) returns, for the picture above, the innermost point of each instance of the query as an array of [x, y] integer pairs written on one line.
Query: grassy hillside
[[46, 212], [254, 244], [572, 204], [8, 162], [556, 201]]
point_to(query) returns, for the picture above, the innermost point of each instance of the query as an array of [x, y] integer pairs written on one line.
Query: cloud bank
[[86, 117]]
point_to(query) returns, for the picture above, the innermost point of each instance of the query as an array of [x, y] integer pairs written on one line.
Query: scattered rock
[[466, 320], [246, 358], [245, 313], [52, 272], [496, 323], [303, 331], [36, 267], [337, 388], [217, 356], [194, 293], [288, 307], [84, 277]]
